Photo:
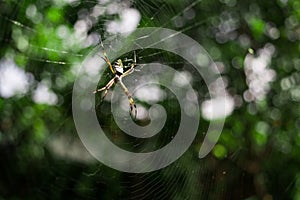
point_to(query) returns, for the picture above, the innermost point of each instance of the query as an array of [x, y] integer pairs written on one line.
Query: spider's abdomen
[[119, 70]]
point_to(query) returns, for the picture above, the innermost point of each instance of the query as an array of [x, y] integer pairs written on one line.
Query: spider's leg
[[106, 59], [131, 101], [129, 71], [105, 88], [131, 59]]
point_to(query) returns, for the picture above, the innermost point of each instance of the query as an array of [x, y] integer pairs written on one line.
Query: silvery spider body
[[119, 71]]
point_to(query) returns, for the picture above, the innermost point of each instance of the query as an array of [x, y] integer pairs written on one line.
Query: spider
[[119, 71]]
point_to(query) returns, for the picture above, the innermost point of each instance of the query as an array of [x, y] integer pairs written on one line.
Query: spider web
[[77, 173]]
